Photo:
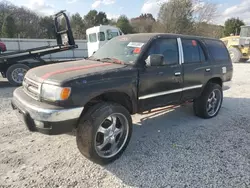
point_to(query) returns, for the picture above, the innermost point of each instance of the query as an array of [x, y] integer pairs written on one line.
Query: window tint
[[217, 50], [92, 37], [168, 48], [191, 51], [101, 36]]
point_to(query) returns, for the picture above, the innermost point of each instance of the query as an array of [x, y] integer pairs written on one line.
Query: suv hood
[[60, 73]]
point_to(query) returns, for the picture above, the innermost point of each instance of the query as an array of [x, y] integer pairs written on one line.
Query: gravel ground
[[172, 148]]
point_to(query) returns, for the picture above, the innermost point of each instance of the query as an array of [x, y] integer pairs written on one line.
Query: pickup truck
[[129, 74]]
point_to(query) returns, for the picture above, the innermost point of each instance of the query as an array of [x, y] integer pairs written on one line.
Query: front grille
[[31, 88]]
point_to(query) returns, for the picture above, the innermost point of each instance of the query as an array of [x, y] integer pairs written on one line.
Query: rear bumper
[[44, 118], [227, 85]]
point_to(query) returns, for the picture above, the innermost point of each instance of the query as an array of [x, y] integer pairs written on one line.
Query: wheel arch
[[118, 97], [215, 80], [7, 66], [10, 69]]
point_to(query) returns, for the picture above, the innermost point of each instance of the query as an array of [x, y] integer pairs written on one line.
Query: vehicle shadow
[[173, 145], [5, 84]]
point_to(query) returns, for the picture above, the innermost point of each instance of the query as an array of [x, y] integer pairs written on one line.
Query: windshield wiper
[[112, 60]]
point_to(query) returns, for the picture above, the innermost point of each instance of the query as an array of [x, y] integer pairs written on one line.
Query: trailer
[[14, 65]]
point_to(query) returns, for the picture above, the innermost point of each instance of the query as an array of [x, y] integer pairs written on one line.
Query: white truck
[[99, 35]]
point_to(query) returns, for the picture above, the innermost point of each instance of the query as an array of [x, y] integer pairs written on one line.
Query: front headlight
[[55, 93]]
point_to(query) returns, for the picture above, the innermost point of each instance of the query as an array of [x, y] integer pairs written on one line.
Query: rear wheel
[[209, 103], [15, 74], [104, 132], [235, 54]]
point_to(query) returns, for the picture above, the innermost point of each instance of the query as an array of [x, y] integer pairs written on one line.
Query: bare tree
[[203, 11], [28, 23], [143, 24], [203, 15]]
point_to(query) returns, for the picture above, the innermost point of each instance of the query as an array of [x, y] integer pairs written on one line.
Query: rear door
[[196, 67], [161, 85]]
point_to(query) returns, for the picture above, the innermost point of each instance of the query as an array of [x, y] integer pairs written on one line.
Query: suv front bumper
[[42, 117]]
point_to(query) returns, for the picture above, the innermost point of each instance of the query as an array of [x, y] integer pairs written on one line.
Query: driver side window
[[166, 47]]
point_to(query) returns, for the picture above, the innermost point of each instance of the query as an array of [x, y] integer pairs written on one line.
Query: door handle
[[208, 70], [177, 73]]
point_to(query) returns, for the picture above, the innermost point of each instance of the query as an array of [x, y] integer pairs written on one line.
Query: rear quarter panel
[[222, 68]]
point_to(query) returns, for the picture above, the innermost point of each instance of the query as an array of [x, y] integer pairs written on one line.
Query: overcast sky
[[131, 8]]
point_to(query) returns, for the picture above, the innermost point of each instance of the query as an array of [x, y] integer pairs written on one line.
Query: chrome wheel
[[18, 75], [214, 102], [111, 135]]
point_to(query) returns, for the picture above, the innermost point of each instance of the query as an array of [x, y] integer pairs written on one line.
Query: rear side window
[[192, 50], [111, 34], [101, 36], [217, 50], [92, 37]]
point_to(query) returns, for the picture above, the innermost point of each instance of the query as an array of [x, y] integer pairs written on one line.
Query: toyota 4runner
[[129, 74]]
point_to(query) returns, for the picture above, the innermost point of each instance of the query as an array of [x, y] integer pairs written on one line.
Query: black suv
[[129, 74]]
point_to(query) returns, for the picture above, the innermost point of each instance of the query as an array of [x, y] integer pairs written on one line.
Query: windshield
[[245, 32], [124, 49]]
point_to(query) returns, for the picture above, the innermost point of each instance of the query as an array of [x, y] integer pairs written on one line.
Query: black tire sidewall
[[90, 125], [200, 104], [11, 69], [237, 54]]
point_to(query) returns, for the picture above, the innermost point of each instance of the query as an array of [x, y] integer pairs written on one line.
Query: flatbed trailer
[[14, 65]]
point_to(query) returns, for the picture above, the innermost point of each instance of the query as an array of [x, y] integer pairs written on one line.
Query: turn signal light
[[65, 93]]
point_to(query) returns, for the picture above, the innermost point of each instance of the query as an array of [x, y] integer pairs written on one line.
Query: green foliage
[[77, 25], [94, 18], [101, 19], [124, 24], [176, 16], [47, 27], [232, 26], [9, 27]]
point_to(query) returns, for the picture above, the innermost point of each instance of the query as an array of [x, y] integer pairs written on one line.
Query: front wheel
[[209, 103], [104, 132], [15, 74], [235, 54]]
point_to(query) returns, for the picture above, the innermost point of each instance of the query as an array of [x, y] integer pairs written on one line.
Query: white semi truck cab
[[99, 35]]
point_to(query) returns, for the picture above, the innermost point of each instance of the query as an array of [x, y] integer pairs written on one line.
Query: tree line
[[175, 16]]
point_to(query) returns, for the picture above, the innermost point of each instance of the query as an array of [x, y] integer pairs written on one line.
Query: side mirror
[[155, 60]]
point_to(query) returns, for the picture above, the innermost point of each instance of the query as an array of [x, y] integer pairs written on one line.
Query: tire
[[17, 67], [88, 134], [202, 104], [235, 55]]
